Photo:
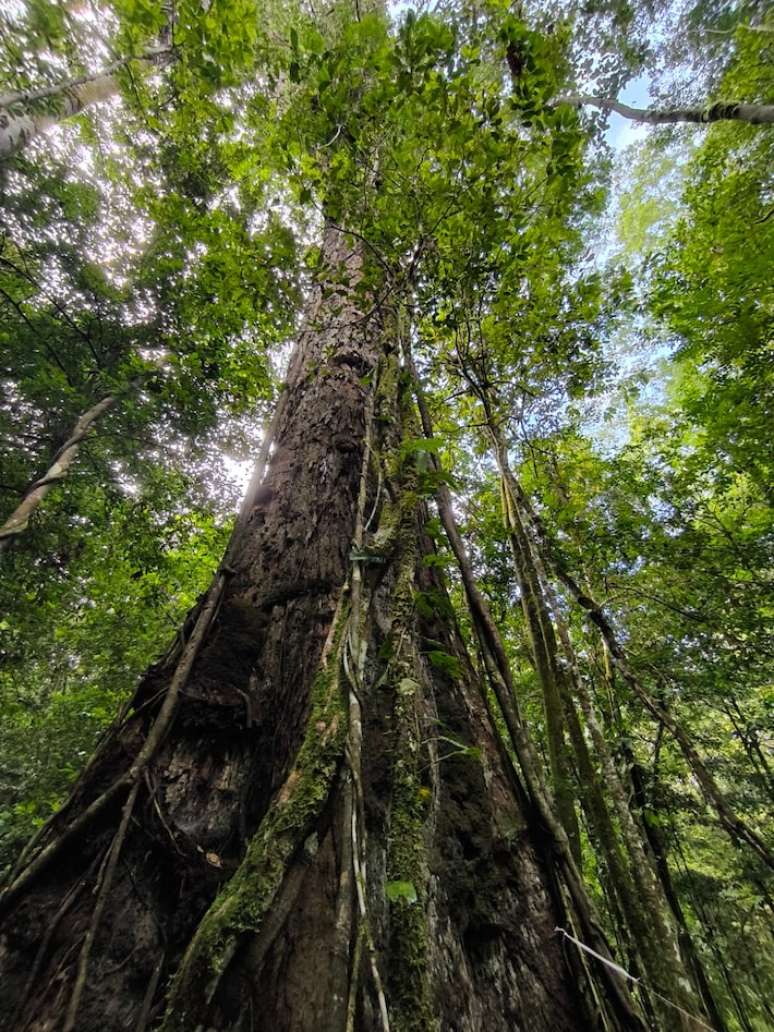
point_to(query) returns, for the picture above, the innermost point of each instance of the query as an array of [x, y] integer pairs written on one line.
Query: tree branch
[[755, 114], [19, 126], [27, 96]]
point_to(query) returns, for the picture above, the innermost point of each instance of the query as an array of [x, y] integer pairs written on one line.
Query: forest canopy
[[404, 372]]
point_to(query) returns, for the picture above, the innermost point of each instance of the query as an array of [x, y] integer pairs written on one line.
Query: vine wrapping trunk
[[289, 843]]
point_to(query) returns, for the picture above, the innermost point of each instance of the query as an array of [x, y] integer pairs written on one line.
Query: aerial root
[[104, 891]]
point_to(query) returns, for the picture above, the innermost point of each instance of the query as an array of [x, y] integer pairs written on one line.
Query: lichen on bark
[[413, 773], [241, 906], [407, 860]]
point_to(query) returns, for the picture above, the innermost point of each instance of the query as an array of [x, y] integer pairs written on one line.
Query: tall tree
[[321, 771], [327, 803], [351, 780]]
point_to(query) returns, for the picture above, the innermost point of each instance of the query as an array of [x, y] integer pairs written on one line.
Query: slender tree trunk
[[688, 948], [307, 824], [20, 122], [499, 673], [738, 830], [628, 867], [719, 111], [751, 743], [543, 648], [60, 465]]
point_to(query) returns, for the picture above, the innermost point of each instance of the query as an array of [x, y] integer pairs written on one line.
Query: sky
[[623, 131]]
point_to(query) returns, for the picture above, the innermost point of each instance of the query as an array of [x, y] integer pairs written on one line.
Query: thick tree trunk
[[322, 832]]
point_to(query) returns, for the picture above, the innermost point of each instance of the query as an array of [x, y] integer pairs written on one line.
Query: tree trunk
[[617, 1003], [20, 122], [60, 465], [308, 823], [692, 958], [628, 868], [719, 111], [542, 644], [737, 829]]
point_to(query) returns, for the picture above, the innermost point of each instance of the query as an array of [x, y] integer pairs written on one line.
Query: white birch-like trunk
[[19, 519], [755, 114], [19, 123], [18, 128]]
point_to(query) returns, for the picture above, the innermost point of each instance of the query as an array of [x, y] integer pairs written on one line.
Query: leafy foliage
[[159, 251]]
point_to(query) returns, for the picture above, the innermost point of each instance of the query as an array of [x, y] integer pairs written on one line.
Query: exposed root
[[104, 891], [40, 956], [147, 1003]]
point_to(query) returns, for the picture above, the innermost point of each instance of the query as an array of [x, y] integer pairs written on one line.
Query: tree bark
[[318, 830], [60, 465], [20, 123], [720, 111]]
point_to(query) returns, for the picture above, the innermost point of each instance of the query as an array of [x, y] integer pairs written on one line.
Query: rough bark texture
[[327, 833]]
